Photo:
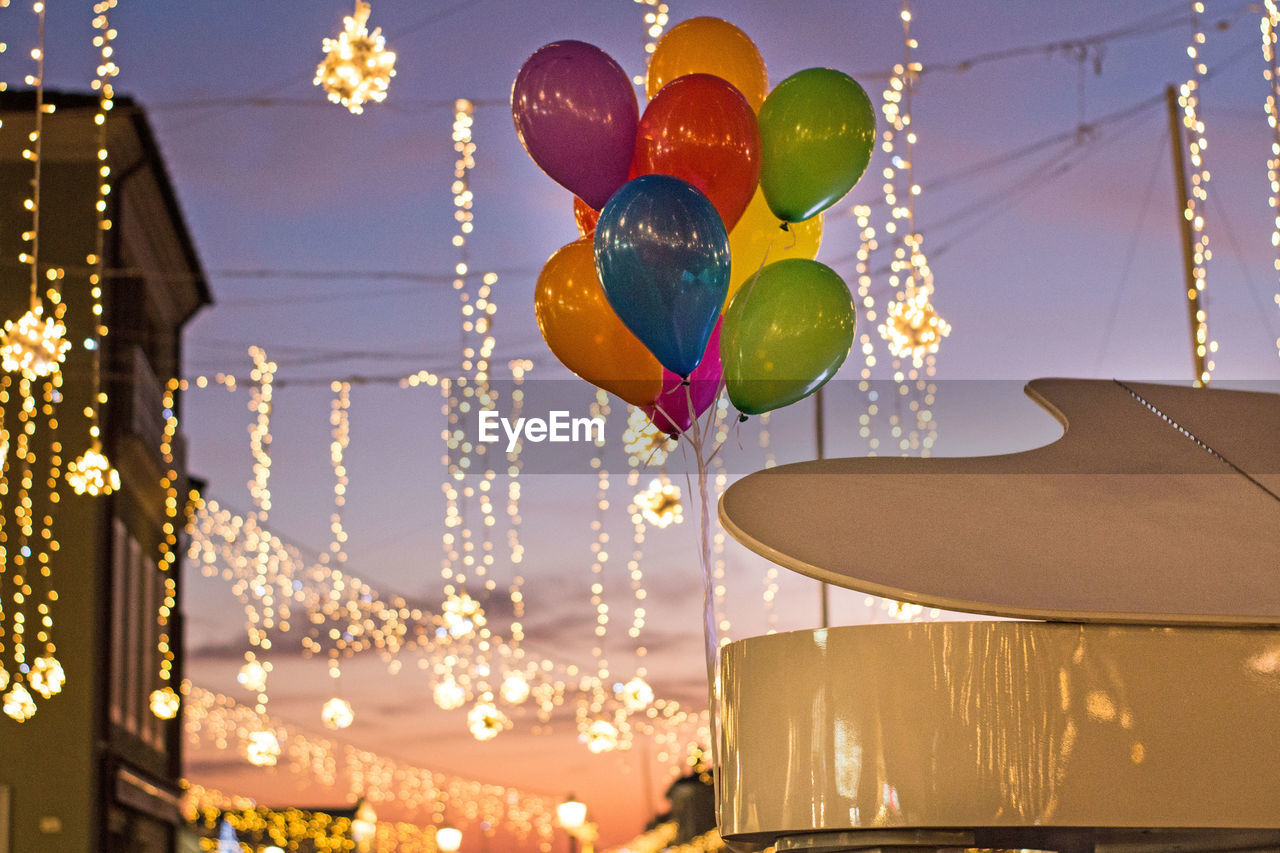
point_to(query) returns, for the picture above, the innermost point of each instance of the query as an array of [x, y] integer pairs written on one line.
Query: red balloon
[[584, 216], [701, 129]]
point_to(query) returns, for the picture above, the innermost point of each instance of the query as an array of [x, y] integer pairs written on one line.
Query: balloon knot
[[684, 381], [742, 419], [785, 226]]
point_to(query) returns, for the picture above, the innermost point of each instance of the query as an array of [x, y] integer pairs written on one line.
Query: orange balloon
[[583, 331], [758, 239], [585, 216], [701, 129], [709, 46]]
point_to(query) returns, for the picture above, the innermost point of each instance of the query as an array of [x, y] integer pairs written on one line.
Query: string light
[[1271, 73], [1189, 100], [357, 66], [660, 503], [35, 345], [912, 328], [485, 721], [263, 749], [164, 700], [644, 443], [92, 474], [337, 714], [655, 21]]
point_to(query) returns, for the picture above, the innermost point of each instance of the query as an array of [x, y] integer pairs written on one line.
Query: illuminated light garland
[[18, 704], [164, 699], [912, 328], [1271, 73], [485, 721], [337, 714], [449, 695], [263, 749], [165, 702], [357, 66], [660, 504], [644, 443], [91, 473], [46, 676], [656, 18], [601, 736], [515, 688], [1197, 144], [33, 345], [636, 695]]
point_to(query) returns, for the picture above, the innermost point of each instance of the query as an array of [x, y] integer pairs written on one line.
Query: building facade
[[94, 769]]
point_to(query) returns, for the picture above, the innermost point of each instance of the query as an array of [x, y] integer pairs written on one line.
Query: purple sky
[[1040, 270]]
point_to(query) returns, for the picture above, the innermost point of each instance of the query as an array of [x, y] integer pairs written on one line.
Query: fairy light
[[164, 701], [18, 703], [263, 749], [357, 66], [92, 473], [1197, 144], [656, 17], [660, 503], [601, 736], [485, 721], [337, 714], [34, 345], [1271, 73], [912, 328], [644, 443]]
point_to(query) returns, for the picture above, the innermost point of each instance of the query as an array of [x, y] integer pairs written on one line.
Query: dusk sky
[[326, 239]]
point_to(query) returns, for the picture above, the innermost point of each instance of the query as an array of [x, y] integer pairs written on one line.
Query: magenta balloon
[[576, 114], [670, 412]]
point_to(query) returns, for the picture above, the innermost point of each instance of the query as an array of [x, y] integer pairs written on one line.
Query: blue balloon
[[662, 253]]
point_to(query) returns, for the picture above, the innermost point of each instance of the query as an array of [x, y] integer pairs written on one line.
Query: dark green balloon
[[817, 130], [786, 332]]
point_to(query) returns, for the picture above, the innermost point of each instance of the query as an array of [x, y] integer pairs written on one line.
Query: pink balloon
[[704, 385], [575, 112]]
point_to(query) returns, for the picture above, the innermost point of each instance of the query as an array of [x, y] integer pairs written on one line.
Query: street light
[[572, 815], [448, 839]]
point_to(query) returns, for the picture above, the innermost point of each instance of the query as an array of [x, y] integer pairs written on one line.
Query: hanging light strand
[[1271, 72], [1197, 144], [92, 473]]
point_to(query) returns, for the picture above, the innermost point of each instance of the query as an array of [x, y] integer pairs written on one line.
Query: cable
[[1128, 259]]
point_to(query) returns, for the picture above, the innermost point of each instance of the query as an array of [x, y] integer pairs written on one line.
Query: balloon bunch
[[699, 220]]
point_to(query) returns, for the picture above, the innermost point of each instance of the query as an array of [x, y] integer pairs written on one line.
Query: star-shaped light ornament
[[660, 503], [337, 714], [486, 722], [636, 695], [912, 328], [92, 474], [47, 676], [601, 736], [263, 749], [18, 704], [461, 615], [357, 66], [449, 694], [253, 677], [32, 345], [165, 702]]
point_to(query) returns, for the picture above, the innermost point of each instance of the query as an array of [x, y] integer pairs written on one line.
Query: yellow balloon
[[709, 46], [758, 239]]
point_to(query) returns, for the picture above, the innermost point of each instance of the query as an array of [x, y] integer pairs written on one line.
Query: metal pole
[[1184, 225], [820, 440]]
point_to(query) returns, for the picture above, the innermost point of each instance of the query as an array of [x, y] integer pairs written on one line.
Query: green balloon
[[786, 332], [817, 131]]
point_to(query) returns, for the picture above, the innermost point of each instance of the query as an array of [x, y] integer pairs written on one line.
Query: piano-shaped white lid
[[1124, 519], [1144, 717]]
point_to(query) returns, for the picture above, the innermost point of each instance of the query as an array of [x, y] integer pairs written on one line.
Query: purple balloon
[[576, 115], [670, 412]]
